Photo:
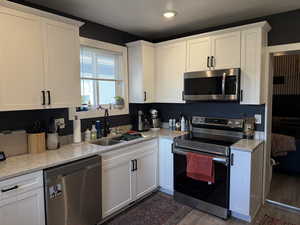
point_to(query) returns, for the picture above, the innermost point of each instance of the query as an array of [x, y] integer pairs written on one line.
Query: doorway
[[284, 132]]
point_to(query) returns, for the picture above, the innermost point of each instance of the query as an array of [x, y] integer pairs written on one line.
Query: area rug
[[158, 209], [269, 220]]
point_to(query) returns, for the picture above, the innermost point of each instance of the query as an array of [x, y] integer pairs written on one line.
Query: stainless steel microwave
[[212, 85]]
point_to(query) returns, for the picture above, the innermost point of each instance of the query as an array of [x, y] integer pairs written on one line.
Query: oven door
[[216, 85], [213, 197]]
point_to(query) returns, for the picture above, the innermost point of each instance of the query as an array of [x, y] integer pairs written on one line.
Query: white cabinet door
[[23, 209], [240, 173], [62, 64], [116, 185], [165, 159], [146, 172], [170, 68], [252, 66], [198, 51], [226, 50], [21, 61], [141, 72], [148, 74]]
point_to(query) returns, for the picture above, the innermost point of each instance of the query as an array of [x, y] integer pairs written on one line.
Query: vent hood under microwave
[[212, 85]]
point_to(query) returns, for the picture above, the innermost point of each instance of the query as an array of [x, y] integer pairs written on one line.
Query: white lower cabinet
[[165, 165], [24, 203], [146, 172], [128, 174], [246, 183]]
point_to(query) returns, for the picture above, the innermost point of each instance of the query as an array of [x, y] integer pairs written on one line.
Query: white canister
[[52, 141]]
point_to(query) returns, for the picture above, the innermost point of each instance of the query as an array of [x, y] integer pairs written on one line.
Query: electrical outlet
[[60, 122], [257, 118]]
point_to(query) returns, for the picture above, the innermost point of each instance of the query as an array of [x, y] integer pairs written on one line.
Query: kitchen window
[[100, 74], [103, 76]]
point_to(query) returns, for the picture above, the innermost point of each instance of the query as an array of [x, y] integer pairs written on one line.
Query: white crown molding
[[37, 12]]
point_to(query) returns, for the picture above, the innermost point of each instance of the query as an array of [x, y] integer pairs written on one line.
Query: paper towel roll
[[76, 130]]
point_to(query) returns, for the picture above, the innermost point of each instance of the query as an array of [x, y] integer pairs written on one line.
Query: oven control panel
[[231, 123]]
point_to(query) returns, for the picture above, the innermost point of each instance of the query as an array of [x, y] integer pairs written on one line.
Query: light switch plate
[[60, 122], [257, 118]]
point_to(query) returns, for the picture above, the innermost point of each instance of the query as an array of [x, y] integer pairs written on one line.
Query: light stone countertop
[[23, 164], [248, 145]]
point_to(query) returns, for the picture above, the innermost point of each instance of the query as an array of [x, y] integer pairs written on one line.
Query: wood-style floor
[[196, 217], [285, 189]]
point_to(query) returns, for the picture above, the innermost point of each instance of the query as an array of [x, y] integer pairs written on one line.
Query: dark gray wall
[[207, 109], [284, 28], [23, 119], [90, 29]]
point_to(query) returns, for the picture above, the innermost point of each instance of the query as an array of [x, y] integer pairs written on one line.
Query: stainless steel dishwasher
[[73, 193]]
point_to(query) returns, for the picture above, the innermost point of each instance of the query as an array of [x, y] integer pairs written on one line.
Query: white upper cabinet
[[21, 61], [198, 53], [141, 72], [170, 67], [39, 59], [254, 43], [226, 50], [222, 51], [62, 64]]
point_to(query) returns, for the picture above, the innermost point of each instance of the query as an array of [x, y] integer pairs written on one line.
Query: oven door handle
[[222, 160]]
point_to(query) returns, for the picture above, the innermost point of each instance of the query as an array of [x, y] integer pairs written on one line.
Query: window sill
[[94, 113]]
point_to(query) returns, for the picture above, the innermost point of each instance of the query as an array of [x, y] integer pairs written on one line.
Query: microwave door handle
[[223, 84]]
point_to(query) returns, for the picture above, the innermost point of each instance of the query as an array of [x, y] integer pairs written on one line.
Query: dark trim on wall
[[284, 28], [90, 29], [207, 109]]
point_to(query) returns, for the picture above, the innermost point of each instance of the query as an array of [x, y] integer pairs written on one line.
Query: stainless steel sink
[[106, 142]]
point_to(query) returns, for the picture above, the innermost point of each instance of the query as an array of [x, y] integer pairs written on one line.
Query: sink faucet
[[106, 124]]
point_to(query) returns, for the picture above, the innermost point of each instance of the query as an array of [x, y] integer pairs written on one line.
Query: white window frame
[[121, 50]]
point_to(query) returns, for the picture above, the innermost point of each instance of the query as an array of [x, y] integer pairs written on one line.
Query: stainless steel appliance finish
[[212, 137], [73, 193], [155, 121], [212, 85]]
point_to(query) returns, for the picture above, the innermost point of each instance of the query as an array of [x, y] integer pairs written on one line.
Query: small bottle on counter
[[87, 135], [98, 128], [93, 133], [171, 124], [182, 123]]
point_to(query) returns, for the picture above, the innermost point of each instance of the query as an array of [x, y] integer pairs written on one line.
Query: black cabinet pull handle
[[136, 168], [145, 96], [232, 159], [242, 97], [212, 61], [208, 58], [10, 189], [183, 95], [132, 165], [49, 97], [44, 98]]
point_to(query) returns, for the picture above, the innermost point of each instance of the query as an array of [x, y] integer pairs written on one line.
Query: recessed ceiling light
[[169, 14]]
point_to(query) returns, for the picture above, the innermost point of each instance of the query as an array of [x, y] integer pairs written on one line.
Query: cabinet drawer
[[21, 184], [126, 152]]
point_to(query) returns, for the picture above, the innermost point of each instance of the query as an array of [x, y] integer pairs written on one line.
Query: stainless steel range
[[209, 137]]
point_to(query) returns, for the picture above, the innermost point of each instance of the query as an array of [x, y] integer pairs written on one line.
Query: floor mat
[[158, 209], [269, 220]]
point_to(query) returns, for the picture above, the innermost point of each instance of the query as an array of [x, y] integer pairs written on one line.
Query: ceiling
[[144, 17]]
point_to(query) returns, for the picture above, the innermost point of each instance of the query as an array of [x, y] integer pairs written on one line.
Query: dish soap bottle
[[93, 133]]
